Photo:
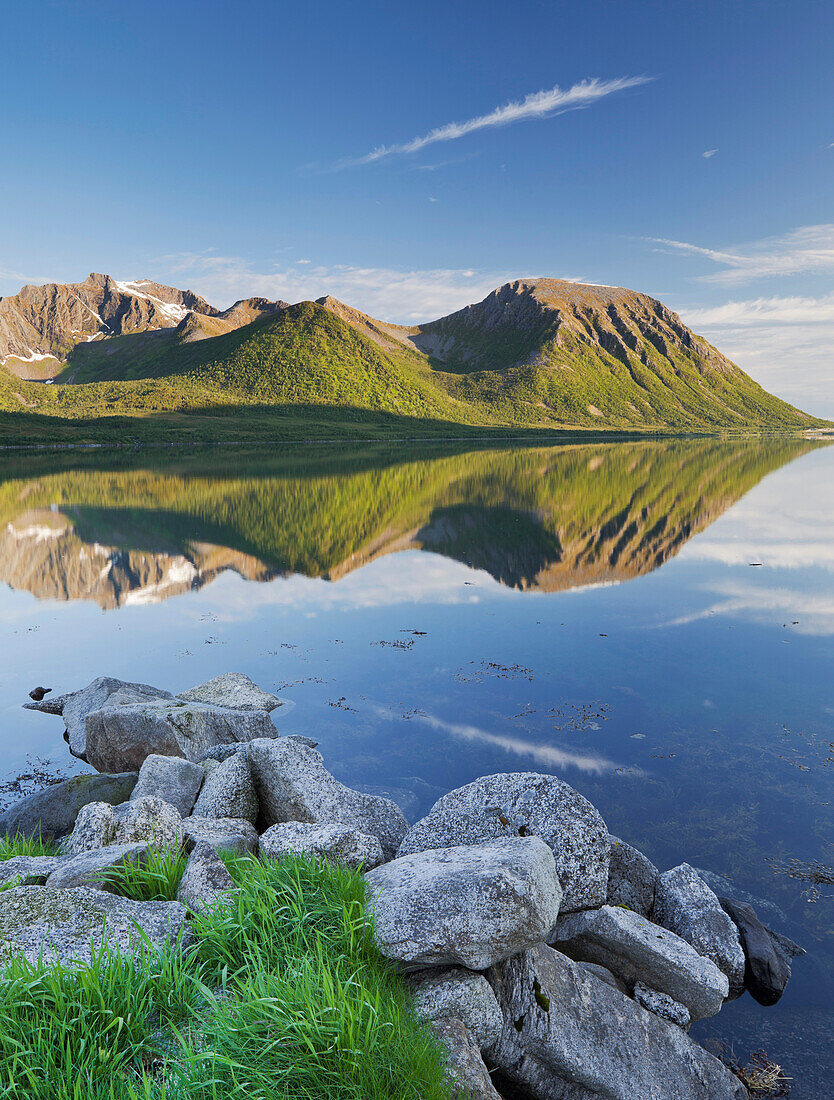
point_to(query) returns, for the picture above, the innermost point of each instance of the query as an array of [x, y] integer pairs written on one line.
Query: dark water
[[652, 621]]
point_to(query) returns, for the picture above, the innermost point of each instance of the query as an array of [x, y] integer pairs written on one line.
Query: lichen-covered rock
[[465, 1067], [205, 880], [636, 950], [94, 696], [686, 906], [470, 905], [526, 804], [232, 689], [568, 1036], [293, 785], [223, 834], [65, 924], [148, 819], [121, 736], [632, 878], [460, 994], [172, 779], [95, 827], [88, 868], [339, 843], [28, 870], [52, 812], [604, 975], [229, 790], [661, 1005], [221, 752]]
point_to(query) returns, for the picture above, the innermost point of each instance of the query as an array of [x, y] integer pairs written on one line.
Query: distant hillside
[[535, 354]]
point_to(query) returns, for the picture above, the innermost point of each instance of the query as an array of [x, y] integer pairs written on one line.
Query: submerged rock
[[294, 785], [568, 1036], [121, 736], [767, 968], [53, 811], [636, 950], [525, 804], [229, 790], [172, 779], [205, 880], [470, 905], [686, 906], [65, 924], [460, 994], [632, 878], [340, 843], [232, 689]]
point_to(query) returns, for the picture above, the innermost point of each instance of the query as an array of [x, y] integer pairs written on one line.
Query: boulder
[[88, 868], [205, 881], [28, 870], [65, 924], [339, 843], [293, 785], [229, 790], [458, 994], [632, 878], [172, 779], [568, 1036], [465, 1067], [604, 975], [470, 905], [661, 1005], [636, 950], [767, 970], [52, 812], [94, 696], [223, 834], [220, 752], [122, 735], [148, 819], [232, 689], [525, 804], [95, 827], [686, 906]]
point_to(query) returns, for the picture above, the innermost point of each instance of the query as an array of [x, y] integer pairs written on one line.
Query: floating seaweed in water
[[811, 871], [42, 774]]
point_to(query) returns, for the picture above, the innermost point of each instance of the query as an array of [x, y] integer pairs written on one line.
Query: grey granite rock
[[568, 1036], [52, 704], [148, 819], [65, 924], [28, 870], [121, 736], [88, 868], [223, 834], [632, 878], [604, 975], [456, 993], [293, 785], [229, 790], [172, 779], [470, 905], [93, 697], [686, 906], [52, 812], [661, 1005], [205, 881], [528, 804], [232, 689], [339, 843], [465, 1067], [636, 950], [95, 827]]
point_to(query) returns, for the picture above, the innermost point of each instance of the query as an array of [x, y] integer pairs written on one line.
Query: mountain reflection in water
[[543, 519]]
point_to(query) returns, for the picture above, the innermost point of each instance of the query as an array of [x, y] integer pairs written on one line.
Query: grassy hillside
[[308, 370]]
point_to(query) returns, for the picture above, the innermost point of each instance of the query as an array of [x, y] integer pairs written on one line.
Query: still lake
[[652, 621]]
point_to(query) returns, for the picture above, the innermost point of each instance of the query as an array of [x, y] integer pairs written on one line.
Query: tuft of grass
[[153, 879], [20, 845]]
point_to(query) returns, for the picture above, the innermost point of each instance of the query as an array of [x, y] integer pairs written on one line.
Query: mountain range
[[535, 353]]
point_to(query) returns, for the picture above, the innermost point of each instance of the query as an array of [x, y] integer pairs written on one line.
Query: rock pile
[[551, 959]]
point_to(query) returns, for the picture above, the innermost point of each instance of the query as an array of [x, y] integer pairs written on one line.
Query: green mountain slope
[[536, 354]]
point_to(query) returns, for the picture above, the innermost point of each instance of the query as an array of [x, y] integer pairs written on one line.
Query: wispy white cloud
[[757, 311], [537, 105], [707, 153], [806, 249]]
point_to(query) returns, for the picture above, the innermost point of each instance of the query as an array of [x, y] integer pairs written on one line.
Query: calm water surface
[[653, 621]]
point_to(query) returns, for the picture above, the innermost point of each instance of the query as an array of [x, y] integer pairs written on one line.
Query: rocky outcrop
[[568, 1036], [525, 804], [467, 906], [336, 843], [102, 691], [293, 785]]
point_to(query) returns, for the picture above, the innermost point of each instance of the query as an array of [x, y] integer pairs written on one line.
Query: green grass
[[283, 997], [155, 878], [19, 845]]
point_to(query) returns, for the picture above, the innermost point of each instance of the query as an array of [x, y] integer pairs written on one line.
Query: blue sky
[[276, 148]]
